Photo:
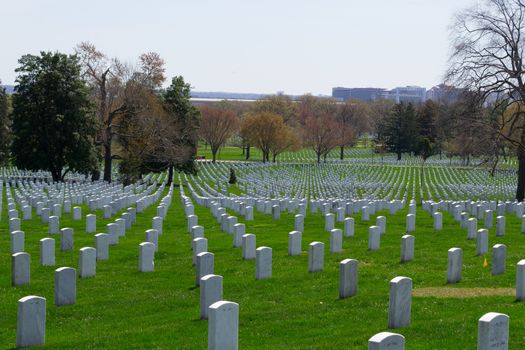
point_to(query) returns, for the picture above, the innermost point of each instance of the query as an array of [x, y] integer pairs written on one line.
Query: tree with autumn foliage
[[268, 132], [110, 92], [217, 126]]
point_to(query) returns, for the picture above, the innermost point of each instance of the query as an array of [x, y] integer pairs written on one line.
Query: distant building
[[444, 93], [407, 94], [362, 94]]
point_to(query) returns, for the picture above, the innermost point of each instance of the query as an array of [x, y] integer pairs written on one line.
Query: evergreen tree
[[53, 122], [5, 130], [400, 132]]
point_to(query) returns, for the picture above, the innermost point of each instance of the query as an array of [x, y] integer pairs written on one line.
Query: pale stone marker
[[472, 228], [14, 224], [365, 214], [223, 326], [400, 303], [238, 231], [489, 217], [316, 257], [87, 266], [192, 220], [20, 269], [204, 266], [146, 257], [232, 221], [276, 212], [248, 214], [210, 292], [407, 248], [65, 286], [91, 223], [410, 223], [199, 245], [53, 225], [102, 246], [197, 232], [263, 263], [499, 259], [27, 213], [438, 221], [112, 231], [17, 242], [347, 278], [500, 226], [348, 227], [329, 222], [47, 252], [77, 213], [520, 280], [336, 241], [493, 331], [299, 223], [156, 224], [454, 265], [121, 227], [152, 236], [44, 215], [373, 238], [248, 246], [294, 243], [66, 239], [482, 242], [31, 322], [107, 212], [57, 210], [386, 341], [381, 223]]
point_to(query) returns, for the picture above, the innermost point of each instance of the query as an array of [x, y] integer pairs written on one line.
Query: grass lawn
[[123, 309]]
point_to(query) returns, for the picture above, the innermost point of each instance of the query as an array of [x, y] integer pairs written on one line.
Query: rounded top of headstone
[[401, 279], [455, 249], [490, 316], [31, 298], [223, 304], [380, 337]]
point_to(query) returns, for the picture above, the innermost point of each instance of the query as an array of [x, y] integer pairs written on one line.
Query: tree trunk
[[107, 162], [318, 158], [214, 155], [398, 155], [274, 156], [520, 191], [342, 155], [247, 152], [170, 174], [264, 157], [95, 175]]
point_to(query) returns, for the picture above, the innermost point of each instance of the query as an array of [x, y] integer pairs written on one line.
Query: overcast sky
[[295, 46]]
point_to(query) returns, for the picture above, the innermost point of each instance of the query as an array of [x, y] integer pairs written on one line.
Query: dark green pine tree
[[186, 119], [53, 121], [5, 128], [400, 132]]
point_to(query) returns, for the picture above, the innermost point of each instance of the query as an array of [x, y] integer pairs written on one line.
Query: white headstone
[[493, 332], [400, 303], [210, 292], [146, 257], [31, 322], [316, 257], [223, 326], [347, 278], [47, 252], [65, 286], [87, 266]]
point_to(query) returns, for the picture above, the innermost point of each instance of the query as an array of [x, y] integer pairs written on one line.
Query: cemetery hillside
[[135, 215]]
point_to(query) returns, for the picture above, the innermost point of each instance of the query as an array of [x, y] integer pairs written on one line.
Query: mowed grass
[[123, 309]]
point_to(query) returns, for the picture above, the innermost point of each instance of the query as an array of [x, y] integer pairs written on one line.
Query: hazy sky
[[295, 46]]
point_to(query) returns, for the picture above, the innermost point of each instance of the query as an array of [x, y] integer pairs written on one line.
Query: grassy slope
[[122, 308]]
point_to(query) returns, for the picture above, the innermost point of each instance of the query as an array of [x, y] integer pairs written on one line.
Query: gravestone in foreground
[[223, 326], [31, 321], [400, 303]]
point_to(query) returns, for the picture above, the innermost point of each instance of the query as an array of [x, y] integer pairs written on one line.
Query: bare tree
[[113, 84], [488, 57], [217, 126], [320, 133]]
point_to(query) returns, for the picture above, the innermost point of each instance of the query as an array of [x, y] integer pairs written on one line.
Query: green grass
[[123, 309]]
